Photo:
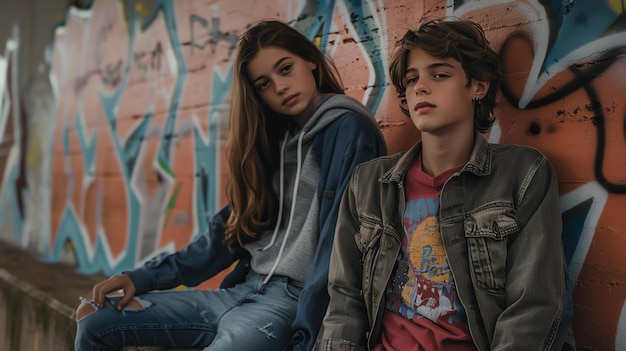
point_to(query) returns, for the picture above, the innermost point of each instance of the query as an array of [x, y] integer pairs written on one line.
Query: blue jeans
[[249, 316]]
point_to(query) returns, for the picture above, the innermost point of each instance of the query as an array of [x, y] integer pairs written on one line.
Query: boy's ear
[[481, 88]]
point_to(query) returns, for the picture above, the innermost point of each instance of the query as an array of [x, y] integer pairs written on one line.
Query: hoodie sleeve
[[200, 260], [350, 140]]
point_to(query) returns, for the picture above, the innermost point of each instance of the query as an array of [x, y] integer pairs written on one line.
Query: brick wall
[[117, 153]]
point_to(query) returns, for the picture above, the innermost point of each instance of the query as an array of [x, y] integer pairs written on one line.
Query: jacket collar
[[479, 162]]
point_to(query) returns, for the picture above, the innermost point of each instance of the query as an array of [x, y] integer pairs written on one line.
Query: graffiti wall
[[126, 157]]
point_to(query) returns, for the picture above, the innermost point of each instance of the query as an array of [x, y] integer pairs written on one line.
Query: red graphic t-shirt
[[422, 289]]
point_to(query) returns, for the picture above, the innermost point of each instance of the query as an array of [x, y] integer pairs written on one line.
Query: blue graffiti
[[576, 24]]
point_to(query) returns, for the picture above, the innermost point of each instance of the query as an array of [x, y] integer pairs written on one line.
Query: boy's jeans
[[245, 317]]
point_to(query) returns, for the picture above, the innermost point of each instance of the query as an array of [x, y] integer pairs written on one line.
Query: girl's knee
[[135, 305], [88, 307], [83, 310]]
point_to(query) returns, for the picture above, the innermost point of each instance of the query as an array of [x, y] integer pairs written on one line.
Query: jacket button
[[495, 228], [388, 244]]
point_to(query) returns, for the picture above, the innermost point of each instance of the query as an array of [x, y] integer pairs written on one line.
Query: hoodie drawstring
[[293, 203], [281, 191]]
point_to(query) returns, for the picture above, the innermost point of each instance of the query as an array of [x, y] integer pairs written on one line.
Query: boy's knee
[[83, 310]]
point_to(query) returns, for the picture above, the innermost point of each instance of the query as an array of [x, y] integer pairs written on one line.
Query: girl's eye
[[286, 68], [263, 85], [410, 81]]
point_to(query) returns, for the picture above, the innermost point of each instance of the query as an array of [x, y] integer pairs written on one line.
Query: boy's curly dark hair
[[463, 40]]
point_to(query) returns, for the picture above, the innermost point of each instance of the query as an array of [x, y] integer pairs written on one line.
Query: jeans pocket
[[292, 290]]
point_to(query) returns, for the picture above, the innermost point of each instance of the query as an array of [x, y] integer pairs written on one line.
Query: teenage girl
[[294, 139]]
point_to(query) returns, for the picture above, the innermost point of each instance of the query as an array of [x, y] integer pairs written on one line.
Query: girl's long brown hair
[[255, 130]]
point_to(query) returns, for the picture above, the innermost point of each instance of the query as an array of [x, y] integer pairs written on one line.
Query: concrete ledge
[[31, 320], [37, 302]]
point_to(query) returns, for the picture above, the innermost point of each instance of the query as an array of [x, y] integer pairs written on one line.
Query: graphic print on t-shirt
[[432, 274], [423, 278], [422, 288]]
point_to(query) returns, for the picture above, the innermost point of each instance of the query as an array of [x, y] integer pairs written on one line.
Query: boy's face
[[438, 96]]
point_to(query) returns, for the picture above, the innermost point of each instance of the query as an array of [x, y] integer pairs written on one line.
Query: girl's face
[[437, 94], [285, 82]]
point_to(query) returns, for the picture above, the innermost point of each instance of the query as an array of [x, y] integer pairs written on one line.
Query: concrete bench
[[37, 302]]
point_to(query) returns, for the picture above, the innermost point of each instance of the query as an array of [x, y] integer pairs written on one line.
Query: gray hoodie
[[288, 249]]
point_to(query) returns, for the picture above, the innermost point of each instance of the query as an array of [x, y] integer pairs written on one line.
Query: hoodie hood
[[330, 107]]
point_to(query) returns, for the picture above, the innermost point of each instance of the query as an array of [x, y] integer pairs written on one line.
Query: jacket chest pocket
[[487, 232]]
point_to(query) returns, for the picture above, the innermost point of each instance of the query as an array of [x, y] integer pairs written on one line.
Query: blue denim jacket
[[501, 228], [346, 142]]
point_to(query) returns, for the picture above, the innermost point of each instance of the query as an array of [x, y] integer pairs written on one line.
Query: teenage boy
[[455, 244]]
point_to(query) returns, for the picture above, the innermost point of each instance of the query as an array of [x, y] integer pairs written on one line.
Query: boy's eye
[[440, 75], [410, 81]]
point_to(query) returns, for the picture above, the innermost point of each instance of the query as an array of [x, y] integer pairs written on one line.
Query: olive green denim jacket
[[501, 228]]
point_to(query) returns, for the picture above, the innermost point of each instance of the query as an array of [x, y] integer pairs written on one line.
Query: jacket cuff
[[141, 278]]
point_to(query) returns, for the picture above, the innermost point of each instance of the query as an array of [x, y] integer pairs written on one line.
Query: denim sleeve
[[535, 274], [351, 140], [347, 315], [200, 260]]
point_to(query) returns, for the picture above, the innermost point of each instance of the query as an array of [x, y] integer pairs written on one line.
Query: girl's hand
[[116, 282]]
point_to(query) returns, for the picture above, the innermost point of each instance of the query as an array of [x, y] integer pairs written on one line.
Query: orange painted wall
[[135, 160]]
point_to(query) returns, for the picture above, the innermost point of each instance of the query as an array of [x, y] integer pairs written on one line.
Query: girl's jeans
[[249, 316]]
